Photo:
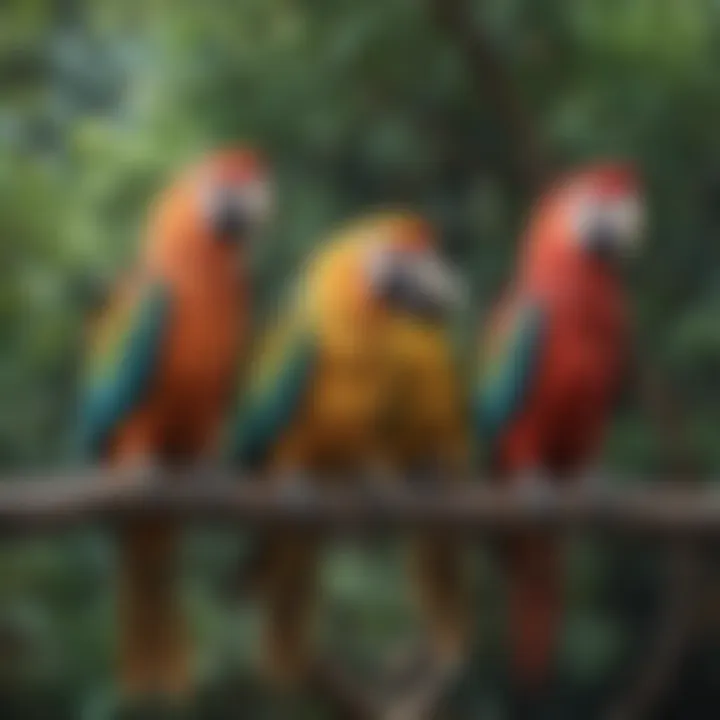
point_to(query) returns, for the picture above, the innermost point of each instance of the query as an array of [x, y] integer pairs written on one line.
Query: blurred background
[[358, 104]]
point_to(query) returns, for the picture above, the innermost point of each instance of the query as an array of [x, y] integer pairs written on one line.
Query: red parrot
[[555, 357], [163, 359]]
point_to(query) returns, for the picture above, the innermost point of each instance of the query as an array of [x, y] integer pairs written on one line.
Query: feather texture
[[277, 388], [125, 355], [511, 365]]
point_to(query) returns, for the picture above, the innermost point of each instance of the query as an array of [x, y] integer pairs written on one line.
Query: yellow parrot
[[317, 396]]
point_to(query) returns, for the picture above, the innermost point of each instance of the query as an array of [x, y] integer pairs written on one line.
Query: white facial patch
[[208, 199], [584, 215], [621, 219], [254, 200], [379, 266]]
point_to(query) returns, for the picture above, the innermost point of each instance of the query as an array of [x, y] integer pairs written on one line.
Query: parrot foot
[[294, 487], [140, 471], [535, 487]]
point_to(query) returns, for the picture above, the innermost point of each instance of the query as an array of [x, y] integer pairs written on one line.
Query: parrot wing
[[125, 352], [510, 368], [277, 388]]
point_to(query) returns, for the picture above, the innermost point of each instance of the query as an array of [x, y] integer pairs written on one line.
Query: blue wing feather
[[277, 393], [123, 364], [507, 378]]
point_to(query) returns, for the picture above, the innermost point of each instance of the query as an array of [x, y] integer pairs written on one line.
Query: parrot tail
[[535, 609], [154, 659]]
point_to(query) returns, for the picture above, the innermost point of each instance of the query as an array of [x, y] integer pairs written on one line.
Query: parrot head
[[599, 210], [233, 195], [406, 273], [216, 207]]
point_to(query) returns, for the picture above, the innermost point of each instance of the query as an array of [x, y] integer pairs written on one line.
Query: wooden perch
[[665, 510]]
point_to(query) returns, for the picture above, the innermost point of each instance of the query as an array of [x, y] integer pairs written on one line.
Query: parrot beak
[[229, 223], [439, 289], [421, 284]]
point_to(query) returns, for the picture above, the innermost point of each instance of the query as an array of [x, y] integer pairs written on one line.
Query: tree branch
[[667, 511], [493, 81]]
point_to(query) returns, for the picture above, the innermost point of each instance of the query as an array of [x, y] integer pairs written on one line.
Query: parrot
[[159, 383], [552, 363], [316, 398]]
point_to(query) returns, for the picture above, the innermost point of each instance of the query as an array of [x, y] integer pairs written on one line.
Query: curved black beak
[[603, 244], [615, 234], [424, 286]]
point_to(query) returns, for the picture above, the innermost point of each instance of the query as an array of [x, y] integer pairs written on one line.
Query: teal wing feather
[[276, 391], [125, 354], [508, 373]]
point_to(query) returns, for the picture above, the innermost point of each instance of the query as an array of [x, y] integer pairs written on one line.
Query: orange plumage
[[163, 361]]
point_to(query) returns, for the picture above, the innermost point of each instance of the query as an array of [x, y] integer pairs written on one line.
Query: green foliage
[[357, 104]]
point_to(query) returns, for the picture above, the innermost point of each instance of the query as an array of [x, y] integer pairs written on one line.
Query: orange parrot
[[555, 356], [317, 396], [163, 360]]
